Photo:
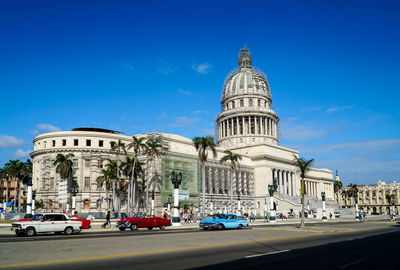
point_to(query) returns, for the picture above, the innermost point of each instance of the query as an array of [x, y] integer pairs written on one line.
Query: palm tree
[[337, 187], [352, 191], [118, 148], [64, 166], [345, 195], [234, 163], [4, 175], [138, 145], [15, 169], [107, 177], [153, 150], [128, 170], [202, 144], [303, 165], [391, 198]]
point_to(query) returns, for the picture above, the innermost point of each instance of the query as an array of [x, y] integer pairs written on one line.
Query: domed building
[[247, 125]]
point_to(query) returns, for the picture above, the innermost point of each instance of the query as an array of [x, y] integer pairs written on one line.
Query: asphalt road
[[346, 246]]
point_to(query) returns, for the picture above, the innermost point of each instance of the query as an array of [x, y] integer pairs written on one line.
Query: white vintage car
[[50, 222]]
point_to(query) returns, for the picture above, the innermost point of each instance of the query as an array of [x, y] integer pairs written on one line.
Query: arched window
[[86, 204], [250, 103], [233, 104], [241, 103], [259, 103]]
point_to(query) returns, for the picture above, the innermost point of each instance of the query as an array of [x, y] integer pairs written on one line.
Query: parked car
[[85, 222], [336, 214], [49, 222], [134, 223], [224, 221]]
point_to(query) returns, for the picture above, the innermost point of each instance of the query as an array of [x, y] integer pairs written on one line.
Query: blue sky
[[149, 66]]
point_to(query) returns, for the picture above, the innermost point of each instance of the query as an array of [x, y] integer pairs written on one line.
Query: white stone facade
[[246, 125]]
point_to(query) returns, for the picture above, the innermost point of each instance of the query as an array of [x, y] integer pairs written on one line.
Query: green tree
[[64, 166], [303, 165], [345, 196], [138, 145], [352, 192], [127, 169], [202, 145], [15, 170], [153, 150], [391, 199], [107, 178], [337, 187], [234, 164], [119, 149]]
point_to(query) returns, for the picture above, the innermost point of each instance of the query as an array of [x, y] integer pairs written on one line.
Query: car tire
[[221, 226], [240, 226], [78, 231], [68, 231], [150, 228], [162, 227], [134, 227], [30, 231], [205, 229], [19, 233], [122, 229]]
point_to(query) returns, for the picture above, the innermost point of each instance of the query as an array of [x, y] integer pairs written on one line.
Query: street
[[331, 245]]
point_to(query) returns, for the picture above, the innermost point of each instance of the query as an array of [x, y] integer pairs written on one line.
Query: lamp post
[[265, 209], [33, 201], [176, 179], [323, 207], [356, 202], [152, 203], [29, 199], [74, 189], [239, 209], [271, 190]]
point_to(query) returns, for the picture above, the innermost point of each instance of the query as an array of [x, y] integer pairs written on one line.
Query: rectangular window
[[87, 163], [52, 183], [64, 142], [45, 144], [88, 142], [76, 142], [75, 161], [87, 182], [54, 143], [100, 165], [101, 143]]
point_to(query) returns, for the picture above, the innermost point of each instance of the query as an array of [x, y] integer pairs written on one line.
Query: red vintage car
[[85, 222], [134, 223]]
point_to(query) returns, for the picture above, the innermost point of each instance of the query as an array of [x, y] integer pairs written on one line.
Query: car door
[[60, 222], [46, 224]]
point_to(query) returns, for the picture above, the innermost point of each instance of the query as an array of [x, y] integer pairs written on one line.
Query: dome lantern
[[244, 58]]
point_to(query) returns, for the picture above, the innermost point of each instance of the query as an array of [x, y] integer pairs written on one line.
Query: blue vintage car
[[224, 221]]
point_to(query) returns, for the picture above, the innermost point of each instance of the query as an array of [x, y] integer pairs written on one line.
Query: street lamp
[[356, 202], [74, 189], [29, 199], [152, 203], [176, 179], [265, 208], [271, 190], [33, 201], [211, 206], [239, 209], [323, 207]]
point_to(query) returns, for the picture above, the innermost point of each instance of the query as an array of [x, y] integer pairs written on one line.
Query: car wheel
[[78, 231], [162, 227], [30, 231], [134, 227], [240, 226], [20, 233], [150, 228], [221, 226], [122, 229], [204, 228], [68, 231]]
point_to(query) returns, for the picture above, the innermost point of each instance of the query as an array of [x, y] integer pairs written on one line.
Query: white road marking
[[269, 253], [352, 263]]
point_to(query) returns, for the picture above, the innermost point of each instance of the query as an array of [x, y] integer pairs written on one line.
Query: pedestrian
[[75, 214], [107, 220], [330, 215]]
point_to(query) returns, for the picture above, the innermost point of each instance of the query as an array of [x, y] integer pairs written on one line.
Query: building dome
[[246, 80], [246, 116]]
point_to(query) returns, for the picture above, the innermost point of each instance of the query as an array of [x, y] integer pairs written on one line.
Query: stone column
[[222, 179], [237, 126], [210, 180], [215, 176], [239, 181], [291, 182]]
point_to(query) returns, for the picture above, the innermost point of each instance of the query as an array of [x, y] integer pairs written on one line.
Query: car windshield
[[219, 216], [36, 217]]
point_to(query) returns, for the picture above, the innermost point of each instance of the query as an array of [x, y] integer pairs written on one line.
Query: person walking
[[107, 220]]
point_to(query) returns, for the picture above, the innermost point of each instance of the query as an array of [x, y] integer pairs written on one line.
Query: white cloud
[[21, 153], [7, 141], [339, 108], [183, 121], [48, 127], [299, 132], [184, 92], [34, 132], [203, 68]]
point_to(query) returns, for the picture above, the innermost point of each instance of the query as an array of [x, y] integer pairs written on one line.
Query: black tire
[[150, 228], [134, 227], [78, 231], [221, 226], [122, 229], [204, 228], [240, 226], [20, 233], [162, 227], [69, 231], [30, 231]]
